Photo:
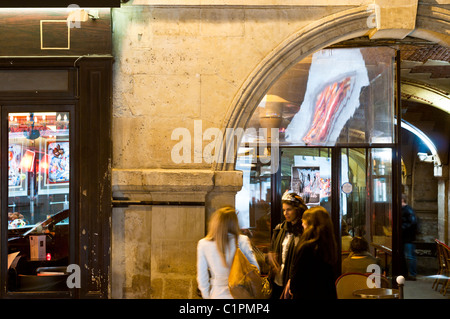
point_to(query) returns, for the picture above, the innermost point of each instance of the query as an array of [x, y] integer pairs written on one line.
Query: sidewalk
[[421, 289]]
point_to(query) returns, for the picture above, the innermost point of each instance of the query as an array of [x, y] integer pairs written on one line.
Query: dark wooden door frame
[[90, 202]]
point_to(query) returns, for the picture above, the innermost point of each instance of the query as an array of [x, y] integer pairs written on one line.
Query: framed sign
[[55, 173], [347, 188], [305, 181], [17, 180]]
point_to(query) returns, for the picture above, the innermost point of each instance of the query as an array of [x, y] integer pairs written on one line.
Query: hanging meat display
[[335, 80], [329, 103]]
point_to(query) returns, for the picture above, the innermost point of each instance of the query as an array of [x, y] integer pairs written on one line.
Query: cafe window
[[326, 130]]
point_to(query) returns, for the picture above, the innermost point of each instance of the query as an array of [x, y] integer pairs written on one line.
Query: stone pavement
[[422, 289]]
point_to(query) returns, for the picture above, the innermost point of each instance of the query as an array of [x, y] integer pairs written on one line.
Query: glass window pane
[[353, 194], [305, 171], [380, 166], [334, 96], [354, 217], [38, 198], [253, 201], [366, 203]]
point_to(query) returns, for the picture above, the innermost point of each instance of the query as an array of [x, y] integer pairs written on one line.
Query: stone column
[[443, 205], [155, 239]]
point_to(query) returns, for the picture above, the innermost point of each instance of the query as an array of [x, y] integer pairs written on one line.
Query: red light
[[49, 257], [27, 162], [44, 164]]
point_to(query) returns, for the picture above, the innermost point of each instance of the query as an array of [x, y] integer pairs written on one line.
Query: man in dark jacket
[[409, 230]]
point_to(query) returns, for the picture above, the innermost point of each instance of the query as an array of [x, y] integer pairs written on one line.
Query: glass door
[[366, 201], [38, 198]]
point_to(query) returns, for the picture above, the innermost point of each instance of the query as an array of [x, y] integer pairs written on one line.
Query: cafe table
[[377, 293]]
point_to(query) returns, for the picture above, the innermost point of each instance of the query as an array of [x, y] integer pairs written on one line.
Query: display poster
[[335, 80], [17, 181], [305, 181], [56, 175], [58, 168], [14, 158], [311, 179]]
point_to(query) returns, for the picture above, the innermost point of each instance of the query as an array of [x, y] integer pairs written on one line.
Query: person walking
[[409, 230], [215, 253], [285, 237], [312, 272]]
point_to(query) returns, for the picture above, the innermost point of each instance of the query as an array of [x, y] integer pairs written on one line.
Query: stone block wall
[[177, 64]]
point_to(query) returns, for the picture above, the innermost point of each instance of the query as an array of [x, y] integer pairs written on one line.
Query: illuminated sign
[[59, 3]]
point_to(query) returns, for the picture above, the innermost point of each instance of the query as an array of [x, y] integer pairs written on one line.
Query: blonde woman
[[215, 253]]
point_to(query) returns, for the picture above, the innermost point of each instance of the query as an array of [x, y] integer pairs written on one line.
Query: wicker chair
[[446, 257], [441, 265]]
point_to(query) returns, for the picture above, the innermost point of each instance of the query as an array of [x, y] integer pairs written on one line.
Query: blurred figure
[[359, 258], [312, 274], [345, 237], [215, 253], [409, 230]]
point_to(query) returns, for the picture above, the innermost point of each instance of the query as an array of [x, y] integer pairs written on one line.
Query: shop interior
[[328, 129], [38, 200]]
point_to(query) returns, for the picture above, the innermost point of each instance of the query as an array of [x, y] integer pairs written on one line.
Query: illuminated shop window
[[38, 197]]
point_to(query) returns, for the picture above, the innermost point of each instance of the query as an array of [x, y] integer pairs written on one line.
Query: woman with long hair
[[285, 237], [312, 273], [215, 253]]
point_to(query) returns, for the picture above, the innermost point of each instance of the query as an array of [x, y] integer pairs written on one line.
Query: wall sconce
[[270, 114], [424, 157]]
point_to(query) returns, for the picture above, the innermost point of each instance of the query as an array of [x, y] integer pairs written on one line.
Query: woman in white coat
[[215, 253]]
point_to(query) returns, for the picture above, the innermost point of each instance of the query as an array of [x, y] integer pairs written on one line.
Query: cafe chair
[[441, 265], [444, 255], [347, 283]]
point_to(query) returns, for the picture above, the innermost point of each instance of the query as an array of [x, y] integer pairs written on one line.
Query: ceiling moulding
[[249, 3], [425, 94]]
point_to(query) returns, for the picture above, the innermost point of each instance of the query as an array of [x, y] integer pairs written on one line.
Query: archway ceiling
[[425, 77], [425, 71]]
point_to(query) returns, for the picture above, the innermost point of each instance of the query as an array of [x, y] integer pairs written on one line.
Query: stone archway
[[430, 22], [332, 29]]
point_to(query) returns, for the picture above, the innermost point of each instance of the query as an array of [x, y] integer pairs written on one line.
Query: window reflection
[[334, 96], [381, 179]]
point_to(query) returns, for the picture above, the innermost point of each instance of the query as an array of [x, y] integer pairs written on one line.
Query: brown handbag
[[245, 281]]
